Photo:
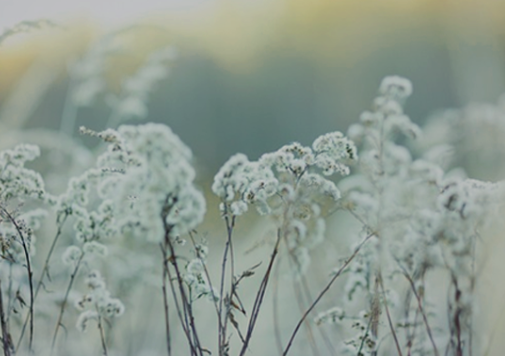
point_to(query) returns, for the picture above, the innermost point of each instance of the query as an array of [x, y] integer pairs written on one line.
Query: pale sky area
[[108, 13]]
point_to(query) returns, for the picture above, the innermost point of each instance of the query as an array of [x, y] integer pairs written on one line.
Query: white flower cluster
[[149, 178], [18, 185], [288, 185], [197, 281], [17, 181], [97, 303], [420, 217]]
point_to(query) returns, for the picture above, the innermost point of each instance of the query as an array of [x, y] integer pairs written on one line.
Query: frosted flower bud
[[94, 280], [94, 247], [238, 207], [81, 303], [112, 307], [195, 266], [404, 125], [202, 251], [71, 255], [331, 316], [84, 318], [396, 86], [387, 106]]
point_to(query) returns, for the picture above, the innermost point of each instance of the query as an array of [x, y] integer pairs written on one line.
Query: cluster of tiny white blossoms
[[196, 277], [418, 216], [19, 185], [97, 303], [18, 182], [290, 185], [91, 227], [149, 179]]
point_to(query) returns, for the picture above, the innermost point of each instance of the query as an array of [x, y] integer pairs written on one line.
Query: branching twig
[[45, 270], [102, 335], [391, 326], [421, 309], [260, 295], [65, 299], [323, 292], [28, 268], [5, 329]]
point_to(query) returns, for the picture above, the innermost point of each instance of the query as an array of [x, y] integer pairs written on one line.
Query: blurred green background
[[253, 76]]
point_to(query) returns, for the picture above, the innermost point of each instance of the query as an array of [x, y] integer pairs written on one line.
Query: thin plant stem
[[421, 310], [309, 297], [65, 299], [5, 328], [165, 305], [275, 314], [300, 302], [323, 292], [45, 271], [260, 295], [102, 335], [28, 268], [176, 301], [390, 322], [230, 224]]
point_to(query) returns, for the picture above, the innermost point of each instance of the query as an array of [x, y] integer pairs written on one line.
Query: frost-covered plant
[[18, 186], [416, 222], [420, 219], [291, 186], [97, 305], [149, 180]]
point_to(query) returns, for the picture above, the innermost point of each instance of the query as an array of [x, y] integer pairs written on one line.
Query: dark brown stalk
[[301, 307], [223, 319], [186, 304], [102, 335], [457, 314], [187, 310], [275, 296], [45, 270], [165, 305], [5, 328], [65, 299], [182, 318], [421, 310], [260, 295], [28, 269], [390, 322], [323, 292]]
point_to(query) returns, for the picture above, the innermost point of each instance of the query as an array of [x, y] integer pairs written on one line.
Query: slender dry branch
[[421, 309], [45, 271], [65, 299], [323, 292], [28, 269], [5, 328], [260, 295], [165, 305], [102, 335], [223, 320], [390, 322]]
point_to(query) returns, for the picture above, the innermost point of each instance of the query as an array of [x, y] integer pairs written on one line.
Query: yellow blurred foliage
[[238, 34]]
